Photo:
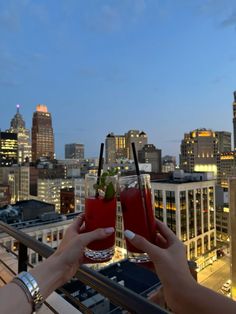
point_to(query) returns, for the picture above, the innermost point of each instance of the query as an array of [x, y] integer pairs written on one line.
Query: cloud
[[113, 16], [229, 21]]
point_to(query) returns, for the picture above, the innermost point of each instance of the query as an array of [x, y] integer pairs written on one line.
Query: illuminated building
[[67, 200], [42, 134], [199, 150], [74, 151], [234, 120], [23, 137], [186, 204], [138, 138], [226, 167], [8, 149], [115, 148], [17, 178], [119, 146], [5, 196], [232, 213], [49, 190], [150, 154]]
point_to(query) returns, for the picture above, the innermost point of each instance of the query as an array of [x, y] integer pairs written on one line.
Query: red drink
[[138, 215], [100, 213]]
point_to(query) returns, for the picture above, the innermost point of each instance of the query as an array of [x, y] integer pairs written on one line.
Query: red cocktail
[[100, 212], [138, 214]]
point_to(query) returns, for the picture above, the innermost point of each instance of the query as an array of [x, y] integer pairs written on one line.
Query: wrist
[[49, 275]]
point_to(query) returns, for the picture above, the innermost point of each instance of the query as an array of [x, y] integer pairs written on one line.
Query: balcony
[[93, 286]]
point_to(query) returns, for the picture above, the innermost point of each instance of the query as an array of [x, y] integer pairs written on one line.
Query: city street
[[214, 276]]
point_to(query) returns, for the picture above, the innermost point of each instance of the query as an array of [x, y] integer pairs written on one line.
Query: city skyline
[[111, 66]]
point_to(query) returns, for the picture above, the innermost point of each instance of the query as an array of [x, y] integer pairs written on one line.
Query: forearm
[[197, 299]]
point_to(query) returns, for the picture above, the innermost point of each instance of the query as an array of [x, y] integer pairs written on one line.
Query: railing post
[[23, 258]]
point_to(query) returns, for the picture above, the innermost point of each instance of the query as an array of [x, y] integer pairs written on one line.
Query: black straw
[[135, 159], [100, 162]]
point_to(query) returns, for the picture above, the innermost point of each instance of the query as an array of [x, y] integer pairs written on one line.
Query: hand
[[169, 259], [70, 253]]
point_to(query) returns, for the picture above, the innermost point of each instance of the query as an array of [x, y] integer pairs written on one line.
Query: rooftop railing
[[116, 293]]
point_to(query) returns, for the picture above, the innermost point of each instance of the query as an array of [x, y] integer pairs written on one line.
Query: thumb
[[97, 234], [141, 243]]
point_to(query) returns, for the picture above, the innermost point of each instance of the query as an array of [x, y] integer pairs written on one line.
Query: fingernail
[[109, 230], [129, 234]]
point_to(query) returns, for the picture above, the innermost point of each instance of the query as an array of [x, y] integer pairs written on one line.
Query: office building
[[118, 147], [199, 150], [232, 212], [74, 151], [17, 178], [138, 138], [42, 134], [234, 121], [224, 141], [23, 137], [226, 168], [186, 203], [8, 149], [168, 164], [67, 200], [150, 154], [115, 148], [49, 190], [5, 196]]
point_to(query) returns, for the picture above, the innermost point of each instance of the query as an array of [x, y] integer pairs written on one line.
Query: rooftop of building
[[180, 177]]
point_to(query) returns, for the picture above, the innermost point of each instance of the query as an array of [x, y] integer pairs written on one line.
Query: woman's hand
[[70, 252], [169, 259]]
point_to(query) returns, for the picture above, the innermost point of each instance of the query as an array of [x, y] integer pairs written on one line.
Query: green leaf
[[110, 191]]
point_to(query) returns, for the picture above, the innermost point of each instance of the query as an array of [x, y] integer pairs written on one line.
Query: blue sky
[[165, 67]]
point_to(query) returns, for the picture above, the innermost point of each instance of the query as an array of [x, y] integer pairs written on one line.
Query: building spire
[[18, 109]]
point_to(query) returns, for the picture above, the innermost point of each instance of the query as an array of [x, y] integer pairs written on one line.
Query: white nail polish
[[129, 234], [109, 230]]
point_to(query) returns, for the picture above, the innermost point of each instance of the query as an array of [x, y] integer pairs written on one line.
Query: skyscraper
[[199, 150], [150, 154], [8, 149], [115, 148], [234, 120], [23, 137], [138, 138], [224, 141], [74, 151], [42, 134]]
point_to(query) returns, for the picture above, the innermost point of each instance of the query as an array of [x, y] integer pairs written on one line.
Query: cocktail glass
[[137, 210], [100, 212]]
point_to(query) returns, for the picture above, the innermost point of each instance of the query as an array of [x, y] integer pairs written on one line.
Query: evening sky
[[162, 66]]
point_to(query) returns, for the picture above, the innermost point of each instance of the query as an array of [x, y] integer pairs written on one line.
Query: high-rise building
[[186, 203], [232, 212], [234, 120], [74, 151], [23, 137], [42, 134], [150, 154], [138, 138], [119, 146], [199, 151], [8, 149], [226, 168], [115, 148], [224, 141]]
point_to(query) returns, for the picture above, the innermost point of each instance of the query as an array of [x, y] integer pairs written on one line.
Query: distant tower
[[42, 134], [234, 120], [23, 137], [74, 151]]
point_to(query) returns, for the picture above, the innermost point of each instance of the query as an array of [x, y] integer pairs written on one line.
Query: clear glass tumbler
[[137, 210], [100, 212]]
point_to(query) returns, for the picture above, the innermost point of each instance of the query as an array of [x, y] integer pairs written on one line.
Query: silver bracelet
[[30, 286]]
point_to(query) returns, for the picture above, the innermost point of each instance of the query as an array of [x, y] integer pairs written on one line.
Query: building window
[[191, 214], [183, 215], [158, 204], [171, 210]]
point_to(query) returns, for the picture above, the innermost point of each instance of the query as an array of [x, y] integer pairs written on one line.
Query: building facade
[[199, 151], [150, 154], [115, 148], [224, 141], [74, 151], [234, 121], [23, 137], [18, 180], [42, 134], [187, 206], [138, 138], [8, 149]]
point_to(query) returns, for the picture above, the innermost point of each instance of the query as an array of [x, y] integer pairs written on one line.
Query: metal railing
[[117, 294]]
